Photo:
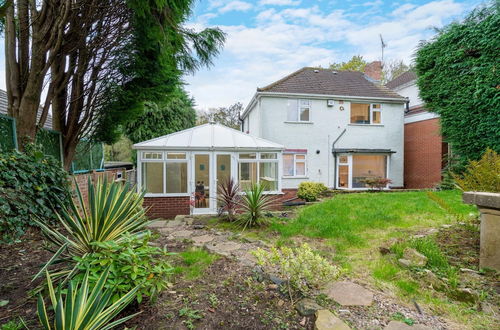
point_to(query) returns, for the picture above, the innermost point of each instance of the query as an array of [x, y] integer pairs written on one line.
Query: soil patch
[[19, 262]]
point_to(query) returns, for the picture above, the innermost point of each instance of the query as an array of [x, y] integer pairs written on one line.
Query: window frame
[[259, 160], [350, 165], [164, 160], [295, 161], [371, 114], [298, 111]]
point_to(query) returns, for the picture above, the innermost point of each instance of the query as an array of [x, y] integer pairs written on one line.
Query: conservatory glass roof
[[209, 137]]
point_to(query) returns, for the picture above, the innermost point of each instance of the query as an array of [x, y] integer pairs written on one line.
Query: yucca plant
[[79, 307], [112, 210], [254, 202], [228, 195]]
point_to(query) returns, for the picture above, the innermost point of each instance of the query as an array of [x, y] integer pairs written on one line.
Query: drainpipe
[[241, 122], [335, 158], [407, 106]]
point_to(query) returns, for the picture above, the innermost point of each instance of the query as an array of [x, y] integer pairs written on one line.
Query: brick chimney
[[374, 70]]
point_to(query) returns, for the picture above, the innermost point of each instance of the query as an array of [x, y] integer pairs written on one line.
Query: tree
[[173, 114], [227, 116], [458, 79], [97, 62], [394, 68], [356, 63], [120, 151]]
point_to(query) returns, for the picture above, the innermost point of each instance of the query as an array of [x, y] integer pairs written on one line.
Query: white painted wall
[[411, 91], [326, 125]]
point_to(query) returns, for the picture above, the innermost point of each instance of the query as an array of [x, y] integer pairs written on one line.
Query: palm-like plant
[[112, 210], [228, 195], [254, 202], [82, 309]]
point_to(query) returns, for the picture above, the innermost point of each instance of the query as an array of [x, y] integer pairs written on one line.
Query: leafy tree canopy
[[227, 116], [173, 114], [458, 74], [394, 68], [356, 63]]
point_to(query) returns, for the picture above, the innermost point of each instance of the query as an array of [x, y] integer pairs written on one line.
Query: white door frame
[[212, 209]]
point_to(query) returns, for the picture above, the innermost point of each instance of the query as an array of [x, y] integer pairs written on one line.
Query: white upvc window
[[164, 173], [299, 110], [294, 164], [366, 113], [260, 168]]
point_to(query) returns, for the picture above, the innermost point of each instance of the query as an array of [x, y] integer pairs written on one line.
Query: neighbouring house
[[425, 149], [338, 127], [180, 171]]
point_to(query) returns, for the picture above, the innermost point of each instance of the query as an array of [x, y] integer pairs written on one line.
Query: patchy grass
[[193, 263]]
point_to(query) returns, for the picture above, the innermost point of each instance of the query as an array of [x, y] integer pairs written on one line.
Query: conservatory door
[[203, 186]]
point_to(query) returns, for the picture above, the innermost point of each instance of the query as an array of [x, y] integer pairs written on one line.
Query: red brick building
[[424, 147]]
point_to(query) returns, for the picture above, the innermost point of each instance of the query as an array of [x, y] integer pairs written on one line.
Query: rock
[[349, 294], [396, 325], [445, 226], [200, 240], [404, 263], [465, 295], [157, 224], [415, 258], [189, 220], [272, 286], [198, 226], [325, 320], [174, 223], [470, 271], [307, 307], [224, 248], [432, 280], [418, 236], [247, 259], [276, 280], [383, 250]]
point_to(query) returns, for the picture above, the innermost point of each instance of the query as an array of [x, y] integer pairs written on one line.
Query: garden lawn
[[353, 220]]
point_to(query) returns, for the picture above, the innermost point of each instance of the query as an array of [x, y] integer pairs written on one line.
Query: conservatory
[[186, 166]]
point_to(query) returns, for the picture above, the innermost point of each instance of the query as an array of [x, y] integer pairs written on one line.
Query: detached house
[[338, 128]]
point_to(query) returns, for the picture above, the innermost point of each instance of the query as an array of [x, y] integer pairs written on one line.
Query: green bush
[[254, 203], [132, 262], [31, 186], [303, 269], [481, 175], [310, 191]]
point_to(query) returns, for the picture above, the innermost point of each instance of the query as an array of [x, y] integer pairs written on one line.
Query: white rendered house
[[338, 128]]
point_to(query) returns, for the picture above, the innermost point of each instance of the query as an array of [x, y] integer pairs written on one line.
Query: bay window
[[294, 164], [259, 168]]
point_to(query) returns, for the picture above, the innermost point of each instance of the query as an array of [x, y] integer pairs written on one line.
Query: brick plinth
[[424, 152], [166, 207]]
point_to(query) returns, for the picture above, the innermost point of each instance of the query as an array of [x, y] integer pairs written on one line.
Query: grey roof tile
[[402, 79]]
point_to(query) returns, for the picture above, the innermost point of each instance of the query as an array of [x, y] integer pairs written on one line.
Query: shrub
[[78, 307], [376, 183], [300, 267], [481, 175], [254, 202], [112, 210], [228, 195], [30, 186], [310, 191], [132, 263]]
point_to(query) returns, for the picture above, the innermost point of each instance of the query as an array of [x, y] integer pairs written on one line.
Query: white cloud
[[235, 6], [280, 2]]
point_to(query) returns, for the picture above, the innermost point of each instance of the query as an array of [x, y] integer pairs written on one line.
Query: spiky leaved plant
[[112, 210], [254, 202], [228, 196]]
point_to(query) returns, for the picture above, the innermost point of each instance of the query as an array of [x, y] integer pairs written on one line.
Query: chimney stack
[[374, 70]]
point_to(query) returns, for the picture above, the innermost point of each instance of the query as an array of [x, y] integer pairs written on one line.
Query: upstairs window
[[299, 110], [363, 113]]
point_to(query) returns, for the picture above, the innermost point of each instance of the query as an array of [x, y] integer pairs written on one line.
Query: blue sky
[[267, 39]]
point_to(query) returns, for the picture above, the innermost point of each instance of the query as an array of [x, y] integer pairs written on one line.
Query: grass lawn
[[349, 229]]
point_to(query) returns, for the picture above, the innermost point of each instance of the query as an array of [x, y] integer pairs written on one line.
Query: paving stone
[[174, 223], [224, 248], [325, 320], [349, 294], [182, 234], [157, 224], [396, 325], [200, 240]]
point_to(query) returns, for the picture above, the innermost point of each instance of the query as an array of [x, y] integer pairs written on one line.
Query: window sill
[[299, 122], [167, 195], [375, 125], [295, 177]]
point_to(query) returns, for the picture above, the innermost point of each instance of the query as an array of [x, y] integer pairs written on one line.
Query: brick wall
[[82, 179], [424, 151], [166, 207], [279, 199]]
